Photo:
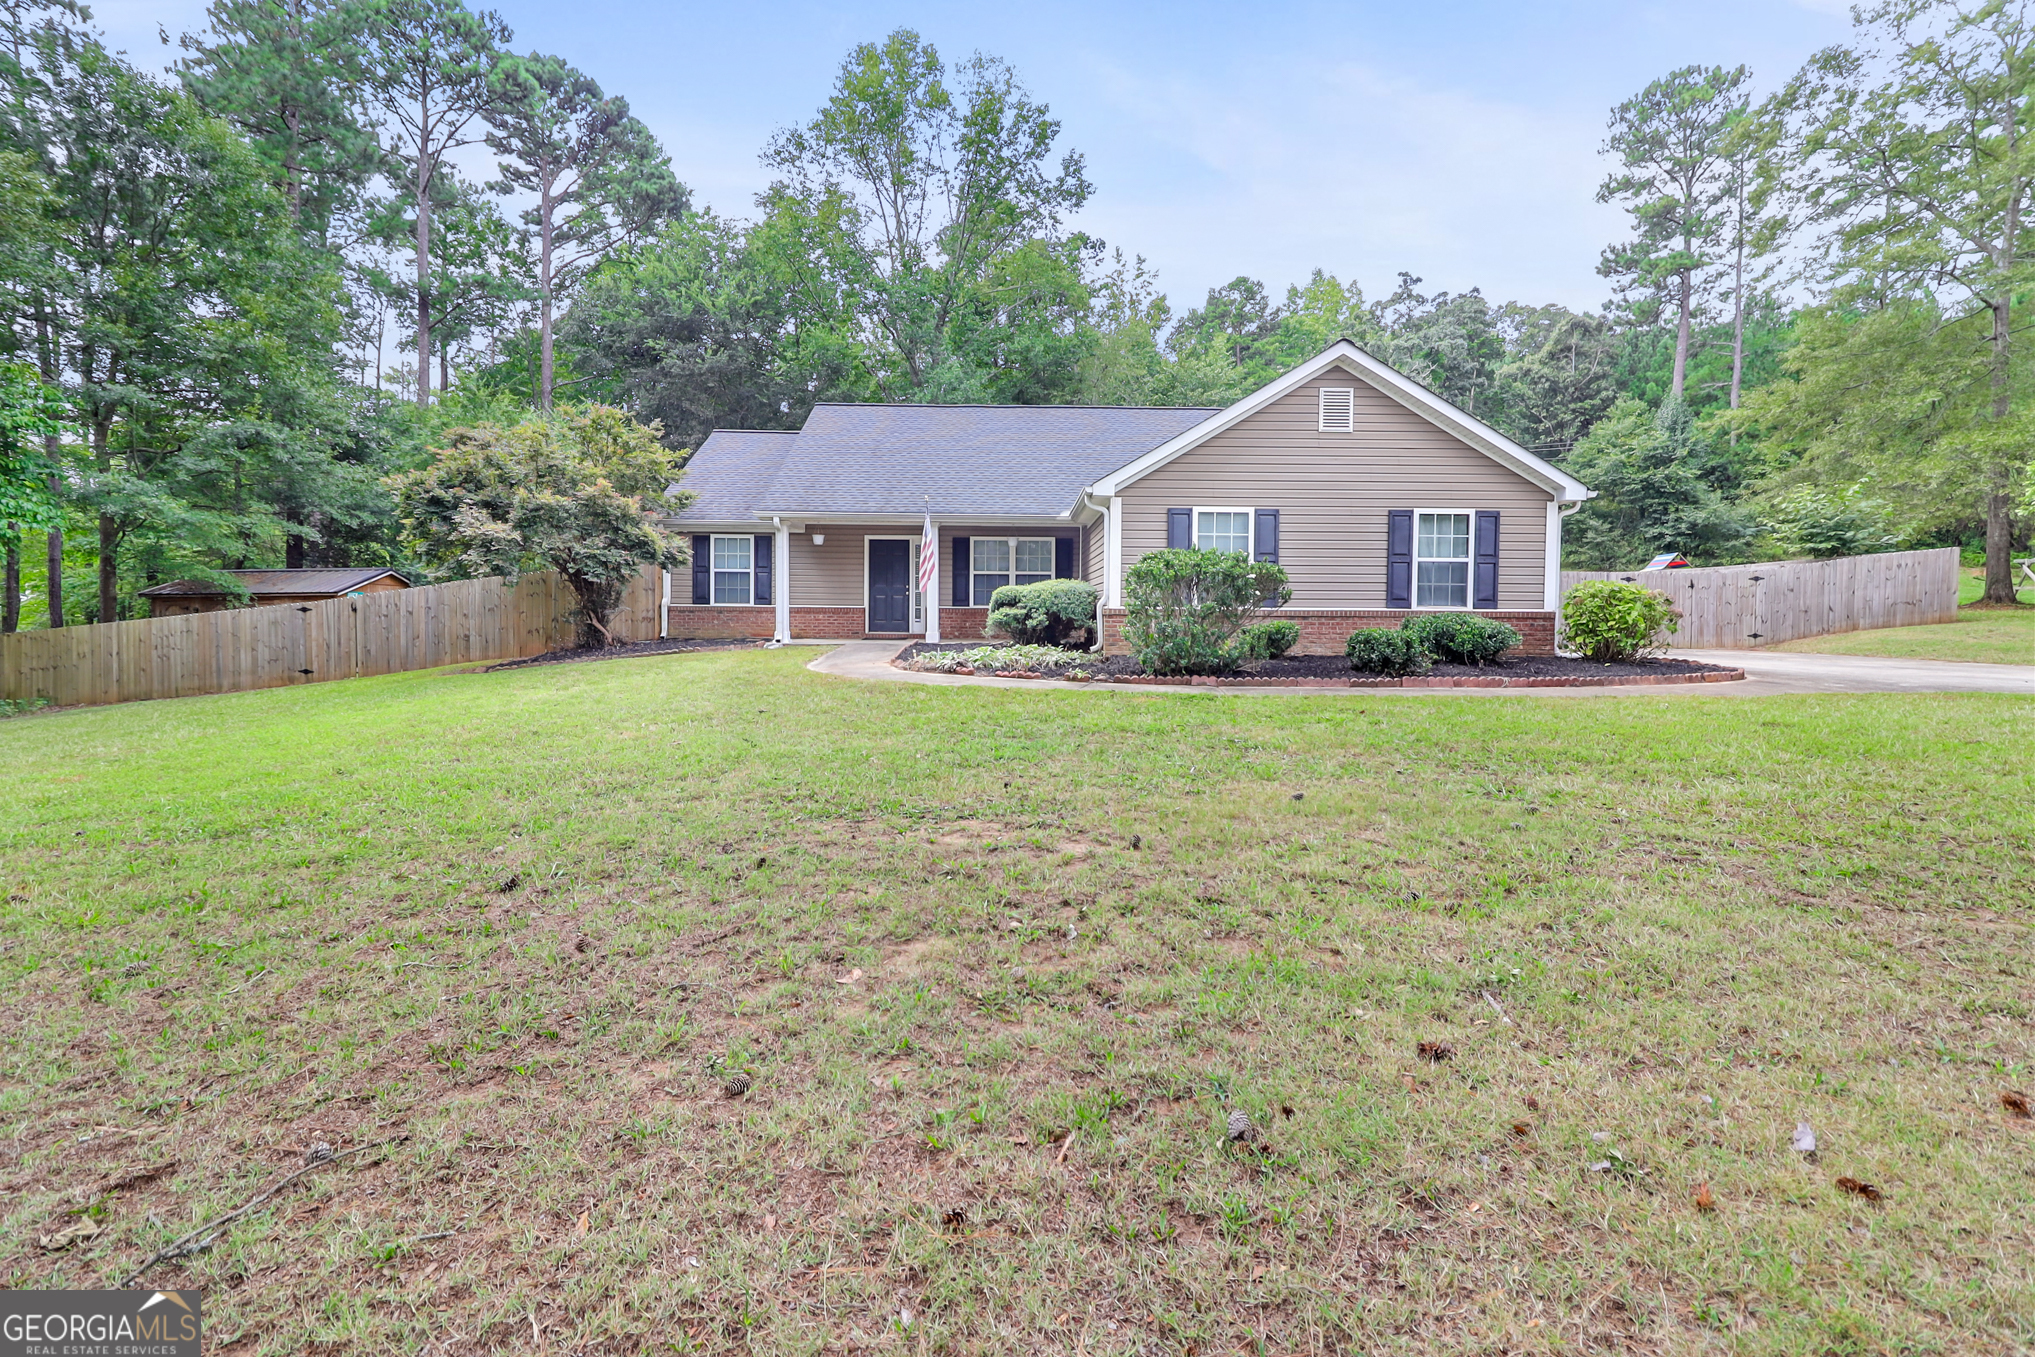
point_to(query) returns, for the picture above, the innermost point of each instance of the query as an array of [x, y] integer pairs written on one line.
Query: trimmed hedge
[[1047, 613], [1461, 638], [1380, 650], [1268, 640]]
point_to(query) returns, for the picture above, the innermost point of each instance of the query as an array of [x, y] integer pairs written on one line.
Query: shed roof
[[1014, 461], [285, 582]]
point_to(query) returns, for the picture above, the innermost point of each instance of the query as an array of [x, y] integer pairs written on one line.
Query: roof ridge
[[984, 405]]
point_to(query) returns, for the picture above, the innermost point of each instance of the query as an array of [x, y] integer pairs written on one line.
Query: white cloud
[[1333, 165]]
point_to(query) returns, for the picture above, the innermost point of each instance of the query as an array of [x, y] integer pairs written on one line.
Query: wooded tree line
[[248, 299]]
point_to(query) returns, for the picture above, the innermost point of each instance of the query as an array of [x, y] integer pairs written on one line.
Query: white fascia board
[[1407, 392], [915, 517]]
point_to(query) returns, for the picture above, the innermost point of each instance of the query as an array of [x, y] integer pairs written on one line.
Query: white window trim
[[1250, 525], [713, 570], [1469, 604], [973, 538], [917, 625], [1321, 424]]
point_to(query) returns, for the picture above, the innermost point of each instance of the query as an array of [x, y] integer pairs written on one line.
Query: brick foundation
[[710, 623], [1324, 631]]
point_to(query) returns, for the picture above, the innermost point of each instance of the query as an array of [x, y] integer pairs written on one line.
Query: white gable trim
[[1415, 397]]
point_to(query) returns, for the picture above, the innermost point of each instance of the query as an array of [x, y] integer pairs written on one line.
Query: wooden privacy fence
[[386, 633], [1743, 607]]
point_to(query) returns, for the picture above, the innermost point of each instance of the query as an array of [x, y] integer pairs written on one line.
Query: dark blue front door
[[890, 585]]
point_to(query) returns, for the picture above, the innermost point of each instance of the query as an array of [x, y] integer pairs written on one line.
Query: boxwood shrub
[[1380, 650], [1461, 638], [1047, 613], [1267, 640]]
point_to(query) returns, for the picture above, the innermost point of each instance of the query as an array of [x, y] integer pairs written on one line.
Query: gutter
[[1086, 500]]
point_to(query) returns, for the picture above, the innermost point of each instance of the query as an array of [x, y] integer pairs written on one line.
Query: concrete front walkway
[[1766, 674]]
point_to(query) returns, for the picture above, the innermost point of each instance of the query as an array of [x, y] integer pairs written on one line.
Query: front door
[[890, 584]]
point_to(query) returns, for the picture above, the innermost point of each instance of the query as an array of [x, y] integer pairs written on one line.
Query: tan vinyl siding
[[1334, 491], [1094, 545]]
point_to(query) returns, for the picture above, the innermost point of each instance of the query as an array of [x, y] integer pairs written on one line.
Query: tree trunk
[[1999, 519], [56, 576], [293, 543], [1738, 313], [1682, 339], [109, 569], [423, 279], [1999, 549], [10, 588], [544, 211]]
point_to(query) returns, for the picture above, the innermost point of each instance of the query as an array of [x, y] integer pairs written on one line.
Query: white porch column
[[1112, 539], [1551, 591], [781, 549], [933, 594]]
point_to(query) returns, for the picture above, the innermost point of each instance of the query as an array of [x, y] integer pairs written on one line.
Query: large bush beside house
[[1185, 607], [1048, 613], [1610, 620], [1380, 650], [1461, 638]]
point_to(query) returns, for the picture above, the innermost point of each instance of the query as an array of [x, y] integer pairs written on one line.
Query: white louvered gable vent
[[1338, 409]]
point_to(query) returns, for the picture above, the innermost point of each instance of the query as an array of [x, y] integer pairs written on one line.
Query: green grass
[[533, 920], [1982, 635]]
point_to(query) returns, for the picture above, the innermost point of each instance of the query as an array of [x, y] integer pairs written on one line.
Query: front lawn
[[1984, 635], [1503, 986]]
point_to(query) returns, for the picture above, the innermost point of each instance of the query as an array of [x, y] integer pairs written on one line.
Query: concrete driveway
[[1765, 675]]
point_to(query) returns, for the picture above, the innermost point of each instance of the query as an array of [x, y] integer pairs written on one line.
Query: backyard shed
[[269, 587]]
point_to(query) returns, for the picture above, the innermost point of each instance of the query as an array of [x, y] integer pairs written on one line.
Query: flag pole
[[929, 573]]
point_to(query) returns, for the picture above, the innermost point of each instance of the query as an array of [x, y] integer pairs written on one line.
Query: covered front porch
[[845, 580]]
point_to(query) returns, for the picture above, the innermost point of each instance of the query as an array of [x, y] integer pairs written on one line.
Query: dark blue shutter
[[1268, 535], [763, 560], [702, 568], [1063, 558], [1485, 594], [959, 565], [1399, 559], [1179, 528]]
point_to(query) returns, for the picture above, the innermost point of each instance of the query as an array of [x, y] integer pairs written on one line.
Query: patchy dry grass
[[999, 966]]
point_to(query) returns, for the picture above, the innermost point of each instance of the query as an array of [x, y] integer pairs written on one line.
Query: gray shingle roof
[[729, 472], [988, 460], [311, 583]]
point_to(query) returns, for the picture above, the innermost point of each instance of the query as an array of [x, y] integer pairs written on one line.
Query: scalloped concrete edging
[[1466, 681]]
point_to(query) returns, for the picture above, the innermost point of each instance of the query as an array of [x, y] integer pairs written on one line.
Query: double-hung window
[[1441, 561], [1223, 530], [734, 569], [997, 561]]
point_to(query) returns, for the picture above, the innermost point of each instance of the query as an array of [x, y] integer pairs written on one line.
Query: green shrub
[[988, 659], [1610, 620], [1380, 650], [1461, 638], [1048, 613], [1184, 607], [1267, 640]]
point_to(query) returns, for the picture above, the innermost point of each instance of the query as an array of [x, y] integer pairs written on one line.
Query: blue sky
[[1457, 141]]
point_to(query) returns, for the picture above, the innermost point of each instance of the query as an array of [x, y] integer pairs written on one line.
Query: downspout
[[1102, 588], [1554, 547]]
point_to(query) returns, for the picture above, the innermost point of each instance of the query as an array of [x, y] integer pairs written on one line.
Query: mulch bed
[[633, 650], [1536, 671]]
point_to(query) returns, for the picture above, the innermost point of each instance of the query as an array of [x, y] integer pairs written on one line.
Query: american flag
[[929, 558]]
